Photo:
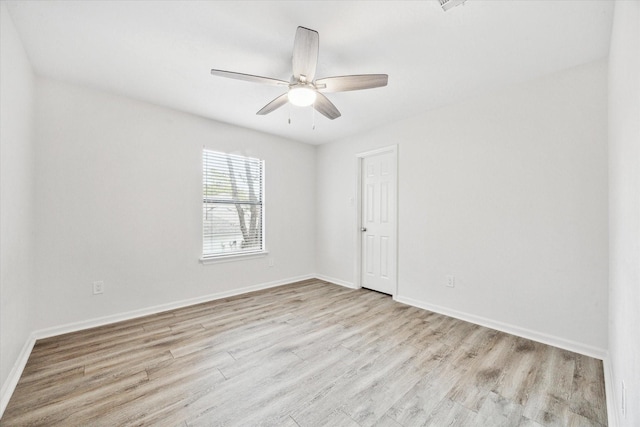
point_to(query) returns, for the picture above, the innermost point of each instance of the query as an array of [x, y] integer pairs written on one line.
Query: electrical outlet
[[624, 400], [451, 280], [98, 287], [272, 263]]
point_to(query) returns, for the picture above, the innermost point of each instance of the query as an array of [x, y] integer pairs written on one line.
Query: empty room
[[320, 213]]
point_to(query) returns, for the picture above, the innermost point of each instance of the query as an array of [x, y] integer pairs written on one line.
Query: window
[[232, 210]]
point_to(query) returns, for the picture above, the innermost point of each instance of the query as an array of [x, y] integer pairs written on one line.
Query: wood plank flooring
[[306, 354]]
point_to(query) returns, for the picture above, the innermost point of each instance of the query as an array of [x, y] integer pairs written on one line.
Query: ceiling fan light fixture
[[302, 96]]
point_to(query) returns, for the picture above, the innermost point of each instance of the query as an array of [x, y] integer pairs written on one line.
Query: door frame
[[393, 149]]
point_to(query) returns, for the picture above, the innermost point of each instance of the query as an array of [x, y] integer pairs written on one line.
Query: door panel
[[378, 222], [384, 202], [384, 257], [370, 254]]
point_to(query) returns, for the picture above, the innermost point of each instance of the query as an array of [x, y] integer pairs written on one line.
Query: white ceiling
[[162, 52]]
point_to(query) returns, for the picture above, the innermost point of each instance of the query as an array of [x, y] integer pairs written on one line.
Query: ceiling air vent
[[448, 4]]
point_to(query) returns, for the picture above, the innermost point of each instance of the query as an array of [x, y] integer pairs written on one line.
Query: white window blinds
[[232, 210]]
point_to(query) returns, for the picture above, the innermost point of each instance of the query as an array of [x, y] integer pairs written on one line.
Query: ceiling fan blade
[[326, 107], [356, 82], [249, 78], [274, 105], [305, 54]]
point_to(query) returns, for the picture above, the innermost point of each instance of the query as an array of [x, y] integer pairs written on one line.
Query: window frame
[[210, 258]]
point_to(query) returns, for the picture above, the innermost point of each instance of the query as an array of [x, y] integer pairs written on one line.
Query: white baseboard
[[336, 281], [10, 383], [576, 347], [612, 406], [101, 321], [16, 371]]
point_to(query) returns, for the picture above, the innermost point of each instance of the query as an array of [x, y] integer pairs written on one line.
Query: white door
[[378, 221]]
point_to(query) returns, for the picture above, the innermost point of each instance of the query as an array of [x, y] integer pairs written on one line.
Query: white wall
[[16, 196], [624, 209], [119, 199], [508, 192]]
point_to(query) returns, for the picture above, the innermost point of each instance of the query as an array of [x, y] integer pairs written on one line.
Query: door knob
[[363, 229]]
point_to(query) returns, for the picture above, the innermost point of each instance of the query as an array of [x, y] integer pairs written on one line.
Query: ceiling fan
[[303, 89]]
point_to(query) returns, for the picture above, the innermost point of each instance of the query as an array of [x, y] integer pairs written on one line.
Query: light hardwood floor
[[306, 354]]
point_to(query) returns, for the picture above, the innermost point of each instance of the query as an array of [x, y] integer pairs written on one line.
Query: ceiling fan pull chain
[[313, 118], [289, 113]]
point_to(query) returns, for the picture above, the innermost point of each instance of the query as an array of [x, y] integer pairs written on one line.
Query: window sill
[[231, 258]]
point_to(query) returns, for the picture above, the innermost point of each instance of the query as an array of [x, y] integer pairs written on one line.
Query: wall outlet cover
[[98, 287], [451, 281]]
